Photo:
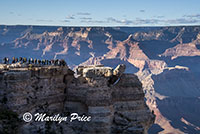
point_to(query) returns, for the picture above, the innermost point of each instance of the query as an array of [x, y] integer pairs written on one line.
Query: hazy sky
[[100, 12]]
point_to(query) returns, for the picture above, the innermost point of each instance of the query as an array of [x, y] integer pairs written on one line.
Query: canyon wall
[[165, 59], [114, 100]]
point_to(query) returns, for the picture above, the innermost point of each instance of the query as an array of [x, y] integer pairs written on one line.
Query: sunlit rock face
[[113, 100], [165, 59]]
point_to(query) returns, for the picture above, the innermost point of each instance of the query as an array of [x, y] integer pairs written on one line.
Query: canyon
[[165, 59]]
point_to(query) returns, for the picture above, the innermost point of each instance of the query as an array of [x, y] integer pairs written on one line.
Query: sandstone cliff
[[165, 59], [114, 100]]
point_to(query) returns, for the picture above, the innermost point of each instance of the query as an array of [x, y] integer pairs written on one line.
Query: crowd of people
[[57, 62]]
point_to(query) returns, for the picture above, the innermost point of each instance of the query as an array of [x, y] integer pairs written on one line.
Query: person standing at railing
[[6, 60], [13, 59]]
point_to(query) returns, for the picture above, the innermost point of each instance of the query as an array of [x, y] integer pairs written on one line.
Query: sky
[[100, 12]]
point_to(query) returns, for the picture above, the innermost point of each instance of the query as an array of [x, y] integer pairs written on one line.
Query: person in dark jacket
[[16, 60], [39, 61], [24, 60], [6, 60], [20, 59], [13, 59]]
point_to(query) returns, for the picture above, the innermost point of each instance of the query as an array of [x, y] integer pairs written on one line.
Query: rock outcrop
[[165, 59], [115, 106]]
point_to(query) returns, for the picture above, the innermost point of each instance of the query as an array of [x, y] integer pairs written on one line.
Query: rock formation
[[115, 106], [165, 59]]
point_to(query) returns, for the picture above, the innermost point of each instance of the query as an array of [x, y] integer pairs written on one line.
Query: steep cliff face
[[165, 59], [39, 89], [114, 100]]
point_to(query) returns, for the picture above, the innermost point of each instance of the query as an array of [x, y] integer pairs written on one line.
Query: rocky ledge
[[113, 100]]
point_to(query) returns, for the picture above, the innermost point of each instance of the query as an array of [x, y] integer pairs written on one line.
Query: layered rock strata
[[114, 100]]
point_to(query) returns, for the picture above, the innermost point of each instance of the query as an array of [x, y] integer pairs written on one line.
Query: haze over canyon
[[165, 59]]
